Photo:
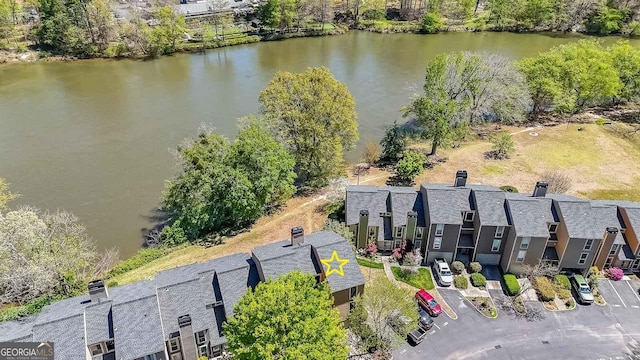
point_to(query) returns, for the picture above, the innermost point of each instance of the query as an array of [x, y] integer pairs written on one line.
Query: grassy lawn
[[601, 163], [421, 280], [369, 263]]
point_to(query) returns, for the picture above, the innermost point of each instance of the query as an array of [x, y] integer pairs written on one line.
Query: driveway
[[586, 333]]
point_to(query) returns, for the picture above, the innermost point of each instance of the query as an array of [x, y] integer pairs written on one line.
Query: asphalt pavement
[[586, 333]]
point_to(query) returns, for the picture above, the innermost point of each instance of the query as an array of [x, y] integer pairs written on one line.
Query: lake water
[[93, 137]]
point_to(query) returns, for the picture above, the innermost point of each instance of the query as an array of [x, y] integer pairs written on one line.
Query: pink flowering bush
[[614, 273], [372, 249], [397, 253]]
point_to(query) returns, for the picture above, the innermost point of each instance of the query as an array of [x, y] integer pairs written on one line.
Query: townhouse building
[[178, 315], [474, 222]]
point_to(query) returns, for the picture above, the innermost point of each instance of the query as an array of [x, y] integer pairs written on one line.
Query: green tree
[[606, 20], [269, 13], [164, 36], [410, 166], [544, 75], [500, 13], [313, 115], [5, 194], [626, 60], [432, 23], [394, 142], [291, 317], [383, 300], [502, 145], [7, 21], [267, 165]]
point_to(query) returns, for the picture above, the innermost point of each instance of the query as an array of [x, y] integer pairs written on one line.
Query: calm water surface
[[93, 137]]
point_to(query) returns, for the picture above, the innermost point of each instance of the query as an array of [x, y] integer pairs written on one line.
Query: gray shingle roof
[[280, 258], [626, 253], [490, 207], [325, 242], [633, 214], [607, 216], [371, 198], [578, 217], [403, 200], [528, 217], [137, 328], [19, 330], [67, 334], [98, 322], [446, 203]]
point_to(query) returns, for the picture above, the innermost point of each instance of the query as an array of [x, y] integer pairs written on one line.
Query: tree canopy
[[41, 252], [313, 115], [410, 166], [291, 317], [226, 185]]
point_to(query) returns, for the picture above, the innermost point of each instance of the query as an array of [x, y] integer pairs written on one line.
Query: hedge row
[[478, 280], [511, 282]]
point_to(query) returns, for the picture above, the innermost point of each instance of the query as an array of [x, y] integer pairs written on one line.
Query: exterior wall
[[484, 243], [630, 234], [162, 355], [258, 266], [573, 251], [563, 239], [534, 254], [341, 301], [604, 251], [449, 242], [508, 252]]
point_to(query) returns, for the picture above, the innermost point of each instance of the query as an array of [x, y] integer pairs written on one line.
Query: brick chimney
[[297, 235], [461, 178], [187, 338], [97, 290], [541, 189]]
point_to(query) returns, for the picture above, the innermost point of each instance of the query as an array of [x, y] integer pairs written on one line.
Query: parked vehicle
[[425, 320], [427, 302], [416, 336], [579, 284], [442, 272]]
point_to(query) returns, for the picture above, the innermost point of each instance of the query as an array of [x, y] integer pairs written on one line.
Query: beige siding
[[630, 232], [563, 239]]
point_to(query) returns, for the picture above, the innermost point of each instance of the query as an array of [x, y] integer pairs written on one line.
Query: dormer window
[[499, 232], [468, 216], [439, 229], [399, 231], [553, 228]]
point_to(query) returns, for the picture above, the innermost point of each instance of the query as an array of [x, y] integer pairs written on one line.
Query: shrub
[[432, 23], [509, 189], [513, 287], [460, 282], [545, 289], [457, 267], [372, 153], [502, 145], [410, 166], [564, 294], [112, 284], [475, 267], [142, 257], [592, 277], [563, 281], [372, 249], [478, 280], [614, 273]]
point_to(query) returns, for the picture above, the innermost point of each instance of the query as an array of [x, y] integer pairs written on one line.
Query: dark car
[[425, 321]]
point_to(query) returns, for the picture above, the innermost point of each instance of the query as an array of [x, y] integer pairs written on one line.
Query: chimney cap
[[542, 184], [364, 212], [412, 213], [612, 230], [461, 173]]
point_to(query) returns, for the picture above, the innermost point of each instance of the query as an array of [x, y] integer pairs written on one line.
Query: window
[[399, 231], [439, 229], [385, 214], [524, 244], [174, 345], [95, 349], [608, 262], [353, 292], [419, 232], [110, 346], [588, 244], [216, 350], [553, 228], [150, 357], [521, 255], [583, 258], [201, 337], [437, 241], [177, 356], [468, 216], [499, 232], [614, 248], [203, 350], [418, 245], [496, 245]]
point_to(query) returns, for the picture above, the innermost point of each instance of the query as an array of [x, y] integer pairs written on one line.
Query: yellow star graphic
[[336, 269]]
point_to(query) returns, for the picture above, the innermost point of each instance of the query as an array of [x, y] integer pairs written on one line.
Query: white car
[[442, 272]]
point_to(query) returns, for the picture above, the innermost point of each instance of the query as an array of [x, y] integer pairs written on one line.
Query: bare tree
[[515, 304], [107, 261], [558, 182]]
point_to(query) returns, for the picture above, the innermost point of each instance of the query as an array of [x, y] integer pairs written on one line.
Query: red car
[[428, 302]]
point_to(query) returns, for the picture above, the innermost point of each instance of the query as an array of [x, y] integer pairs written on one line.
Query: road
[[587, 332]]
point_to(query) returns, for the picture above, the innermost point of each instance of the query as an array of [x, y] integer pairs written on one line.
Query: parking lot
[[621, 294], [587, 333]]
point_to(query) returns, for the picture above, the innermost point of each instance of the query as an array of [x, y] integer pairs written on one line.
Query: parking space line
[[432, 332], [635, 292], [436, 326], [445, 323], [635, 306], [616, 291]]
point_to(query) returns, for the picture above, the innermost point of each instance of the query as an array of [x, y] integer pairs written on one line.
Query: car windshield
[[433, 303], [585, 290], [427, 319], [446, 273]]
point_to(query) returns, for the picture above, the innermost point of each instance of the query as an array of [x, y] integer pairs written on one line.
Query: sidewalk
[[530, 293]]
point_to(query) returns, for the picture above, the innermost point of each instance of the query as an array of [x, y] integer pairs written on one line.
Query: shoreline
[[390, 27]]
